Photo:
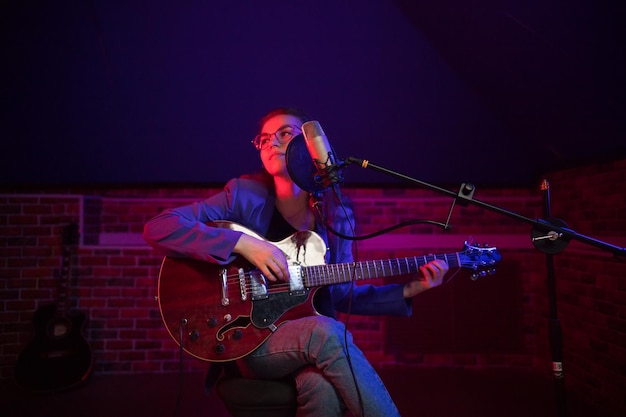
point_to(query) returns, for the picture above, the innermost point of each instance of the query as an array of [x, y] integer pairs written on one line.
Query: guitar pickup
[[296, 285], [241, 273]]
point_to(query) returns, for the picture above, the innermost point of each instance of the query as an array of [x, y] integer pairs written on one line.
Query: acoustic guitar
[[219, 313], [58, 357]]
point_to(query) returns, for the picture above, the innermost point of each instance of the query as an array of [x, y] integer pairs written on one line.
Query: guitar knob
[[194, 335], [212, 322], [220, 348], [237, 335]]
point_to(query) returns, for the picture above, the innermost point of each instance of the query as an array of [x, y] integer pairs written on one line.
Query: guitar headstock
[[481, 260]]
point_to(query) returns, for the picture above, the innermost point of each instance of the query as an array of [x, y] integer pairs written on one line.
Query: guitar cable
[[320, 214], [355, 238]]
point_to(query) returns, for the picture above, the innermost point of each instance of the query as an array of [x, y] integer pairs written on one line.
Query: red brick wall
[[499, 320]]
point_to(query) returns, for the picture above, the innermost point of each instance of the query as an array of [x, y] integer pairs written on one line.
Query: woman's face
[[273, 139]]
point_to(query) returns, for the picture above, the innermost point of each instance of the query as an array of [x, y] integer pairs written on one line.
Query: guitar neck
[[64, 283], [318, 275], [70, 239]]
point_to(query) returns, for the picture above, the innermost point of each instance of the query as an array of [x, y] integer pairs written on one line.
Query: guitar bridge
[[224, 277]]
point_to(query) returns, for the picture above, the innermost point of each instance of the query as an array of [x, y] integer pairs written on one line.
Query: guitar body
[[220, 313], [204, 311], [58, 358]]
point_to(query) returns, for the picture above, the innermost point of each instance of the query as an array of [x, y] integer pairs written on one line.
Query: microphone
[[328, 174]]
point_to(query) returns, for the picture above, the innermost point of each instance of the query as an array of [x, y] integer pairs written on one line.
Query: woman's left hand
[[433, 273]]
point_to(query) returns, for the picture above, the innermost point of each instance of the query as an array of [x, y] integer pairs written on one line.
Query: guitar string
[[392, 264], [345, 269]]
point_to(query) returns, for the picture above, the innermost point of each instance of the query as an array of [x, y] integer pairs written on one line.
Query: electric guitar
[[220, 313], [58, 358]]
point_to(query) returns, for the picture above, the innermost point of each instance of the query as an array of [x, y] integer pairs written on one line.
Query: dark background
[[150, 92]]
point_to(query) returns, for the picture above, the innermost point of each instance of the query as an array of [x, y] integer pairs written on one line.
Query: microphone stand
[[548, 235], [553, 228], [554, 329]]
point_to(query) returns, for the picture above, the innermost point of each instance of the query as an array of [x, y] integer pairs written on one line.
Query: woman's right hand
[[267, 257]]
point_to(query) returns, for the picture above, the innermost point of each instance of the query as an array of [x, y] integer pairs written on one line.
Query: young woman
[[330, 372]]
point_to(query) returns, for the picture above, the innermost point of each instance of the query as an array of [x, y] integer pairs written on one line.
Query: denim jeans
[[313, 350]]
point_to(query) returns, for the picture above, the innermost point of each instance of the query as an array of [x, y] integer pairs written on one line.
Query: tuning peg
[[477, 275]]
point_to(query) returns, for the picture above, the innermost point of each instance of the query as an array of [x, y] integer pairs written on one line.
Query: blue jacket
[[183, 232]]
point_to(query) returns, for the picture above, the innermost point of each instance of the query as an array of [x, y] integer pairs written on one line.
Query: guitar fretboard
[[317, 275]]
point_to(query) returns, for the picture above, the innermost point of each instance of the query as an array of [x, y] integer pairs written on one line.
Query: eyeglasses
[[263, 141]]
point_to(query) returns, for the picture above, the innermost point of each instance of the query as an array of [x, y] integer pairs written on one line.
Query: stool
[[246, 397]]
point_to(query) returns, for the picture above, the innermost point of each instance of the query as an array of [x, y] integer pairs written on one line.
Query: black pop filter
[[300, 165]]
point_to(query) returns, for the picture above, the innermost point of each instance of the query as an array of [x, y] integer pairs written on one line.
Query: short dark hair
[[292, 111]]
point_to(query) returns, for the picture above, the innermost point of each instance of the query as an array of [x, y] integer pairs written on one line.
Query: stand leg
[[555, 334]]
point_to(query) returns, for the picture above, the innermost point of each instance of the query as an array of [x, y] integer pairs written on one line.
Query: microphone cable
[[323, 218]]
